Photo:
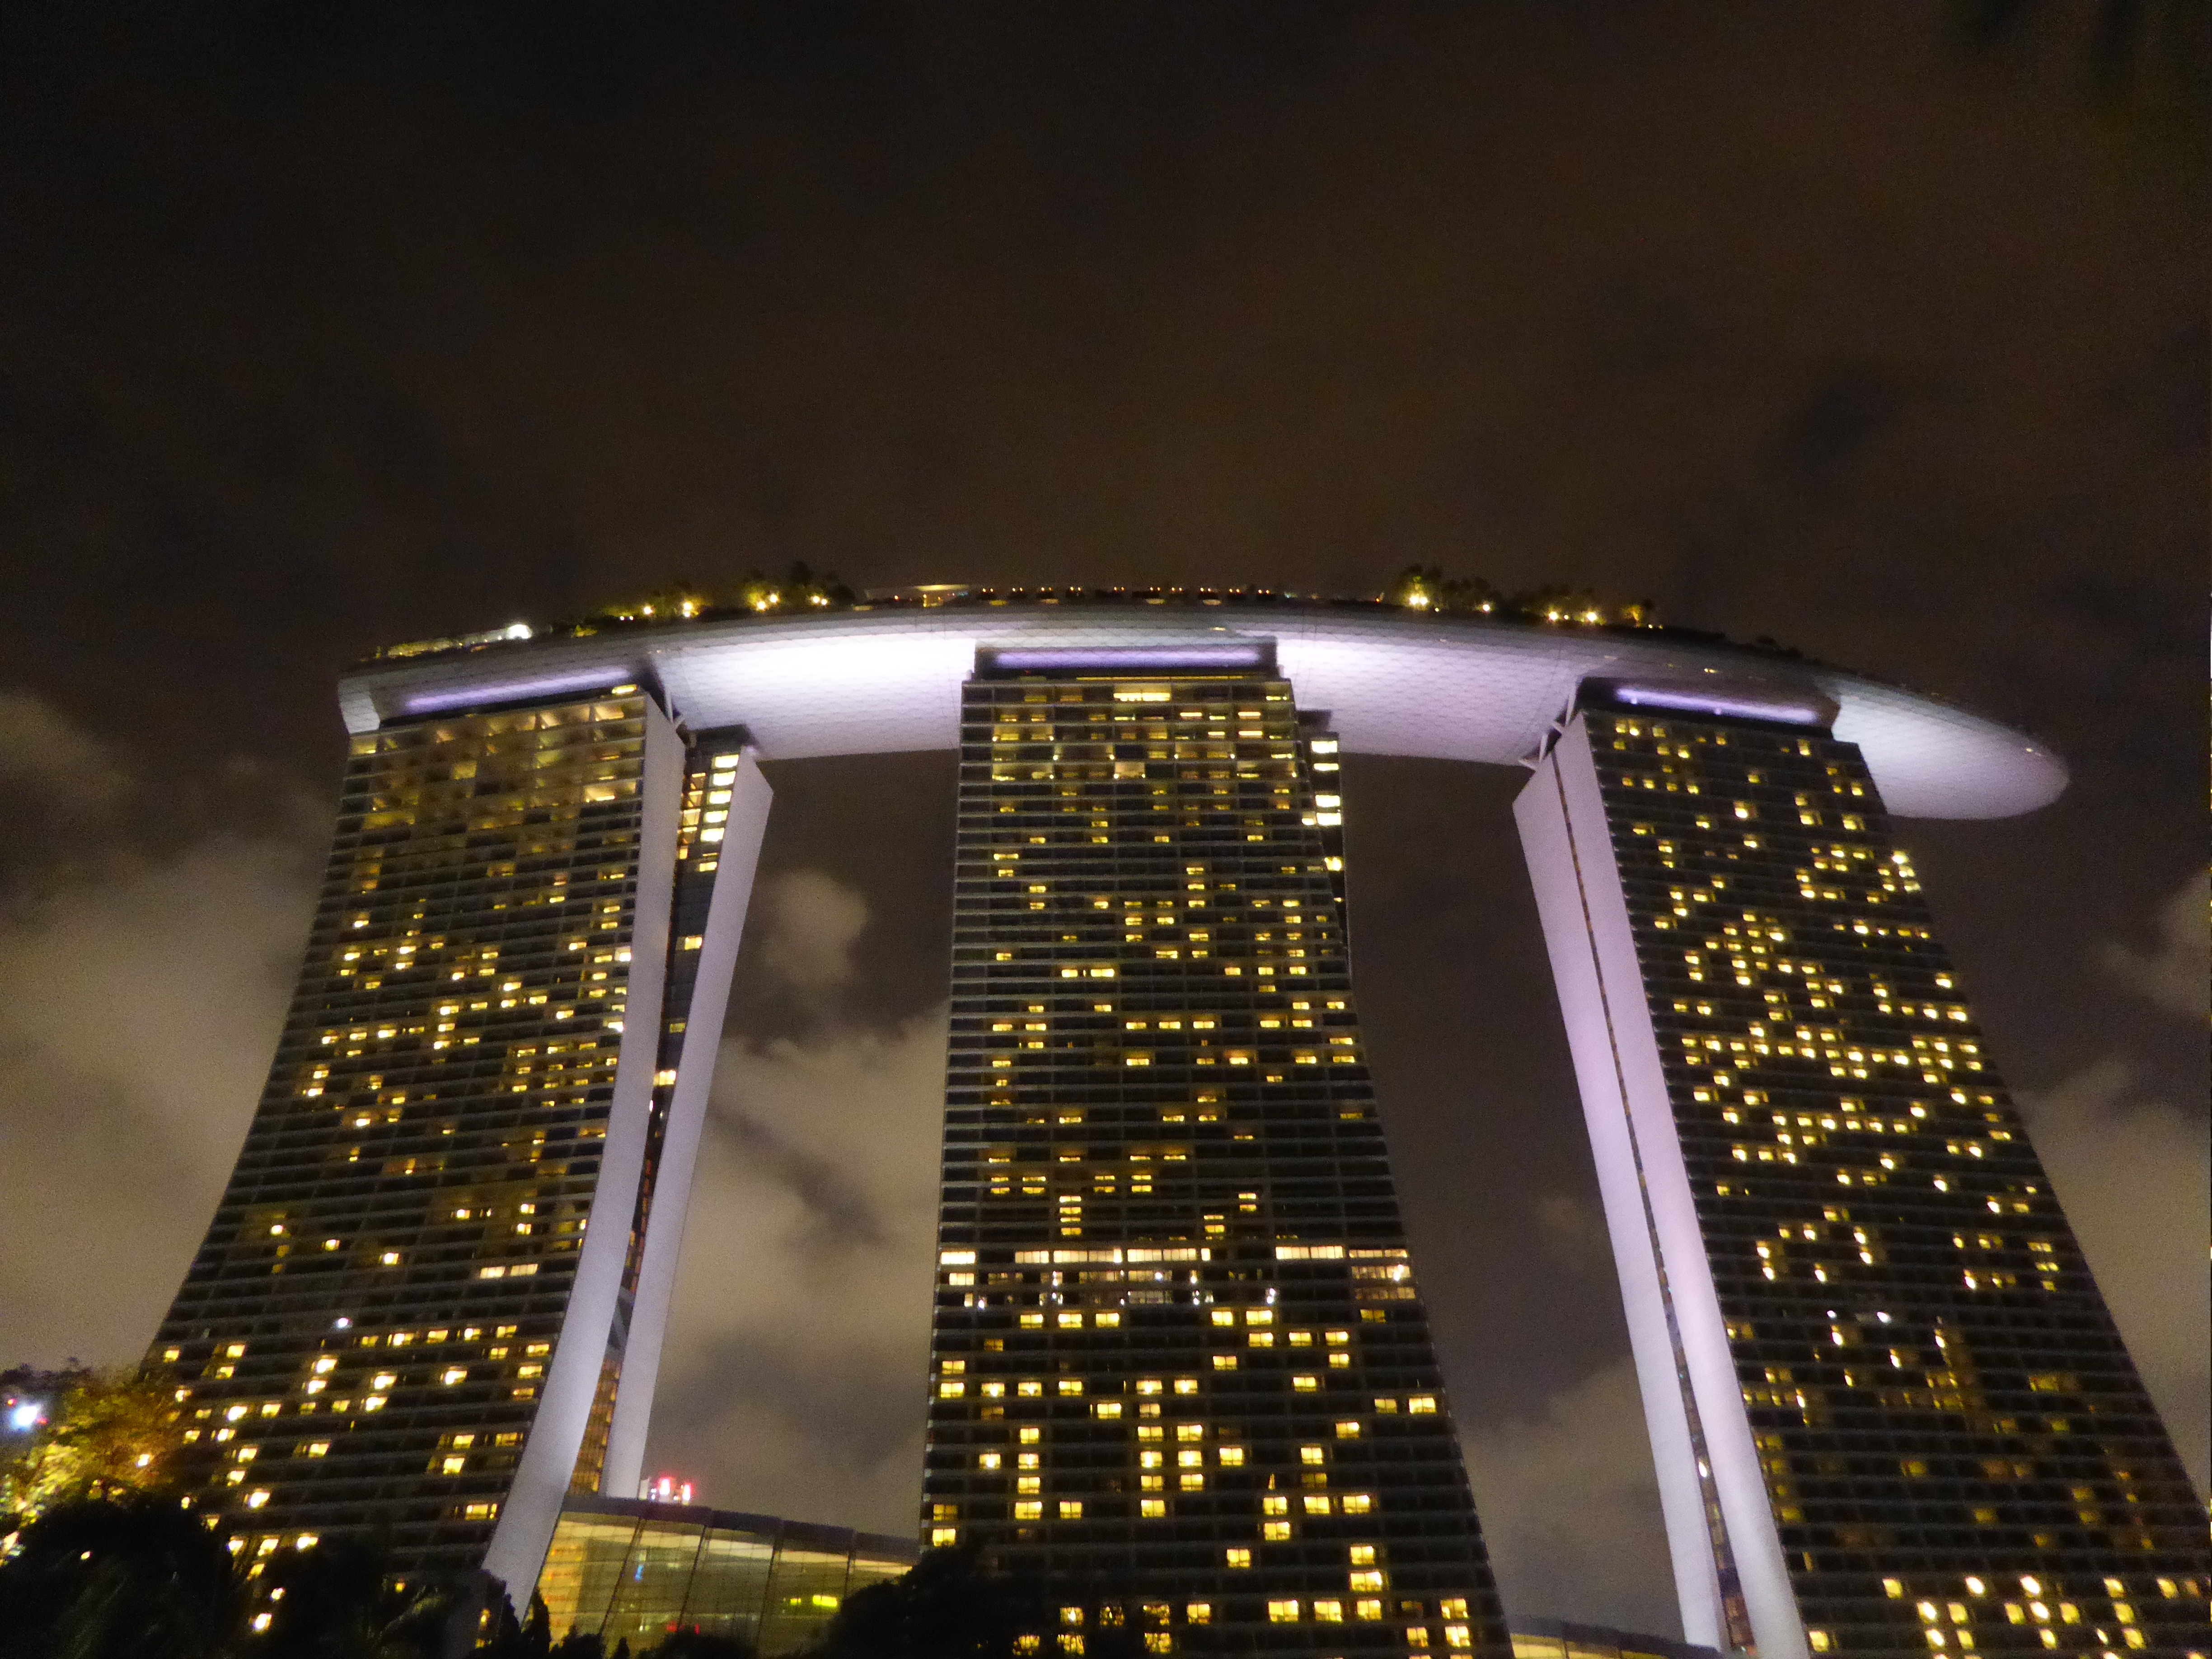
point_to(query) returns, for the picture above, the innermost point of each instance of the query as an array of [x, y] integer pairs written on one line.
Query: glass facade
[[639, 1572], [1181, 1365], [1950, 1449], [366, 1336], [1553, 1639]]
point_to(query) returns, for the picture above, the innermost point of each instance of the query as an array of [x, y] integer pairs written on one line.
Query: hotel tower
[[1182, 1379], [1181, 1360]]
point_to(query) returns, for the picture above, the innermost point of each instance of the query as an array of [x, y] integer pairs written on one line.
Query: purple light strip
[[1788, 713], [515, 691], [1134, 658]]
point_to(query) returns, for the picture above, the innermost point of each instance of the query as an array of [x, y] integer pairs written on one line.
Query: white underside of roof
[[855, 683]]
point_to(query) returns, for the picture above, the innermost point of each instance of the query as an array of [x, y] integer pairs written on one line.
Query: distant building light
[[25, 1415]]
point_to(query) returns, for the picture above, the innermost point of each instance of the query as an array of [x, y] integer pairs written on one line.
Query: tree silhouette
[[698, 1644], [953, 1606], [532, 1638], [137, 1575], [336, 1602]]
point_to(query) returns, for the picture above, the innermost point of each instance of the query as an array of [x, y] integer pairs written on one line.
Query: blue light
[[26, 1416], [1725, 705]]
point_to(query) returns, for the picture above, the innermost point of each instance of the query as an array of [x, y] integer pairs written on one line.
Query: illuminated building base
[[629, 1570]]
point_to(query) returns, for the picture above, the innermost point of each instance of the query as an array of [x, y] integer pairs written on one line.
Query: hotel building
[[1884, 1393], [1181, 1364]]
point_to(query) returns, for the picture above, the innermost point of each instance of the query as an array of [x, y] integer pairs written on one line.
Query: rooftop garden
[[1420, 590]]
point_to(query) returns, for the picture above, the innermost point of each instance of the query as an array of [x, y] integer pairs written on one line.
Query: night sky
[[1871, 329]]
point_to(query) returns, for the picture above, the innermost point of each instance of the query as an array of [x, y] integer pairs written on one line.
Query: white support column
[[533, 1500], [1675, 1327], [750, 798]]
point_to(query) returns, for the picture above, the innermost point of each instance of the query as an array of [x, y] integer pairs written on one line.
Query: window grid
[[1957, 1451], [1179, 1359]]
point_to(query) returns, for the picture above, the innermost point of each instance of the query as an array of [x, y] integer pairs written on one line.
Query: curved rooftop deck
[[876, 679]]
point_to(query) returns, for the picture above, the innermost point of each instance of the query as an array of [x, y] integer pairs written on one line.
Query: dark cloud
[[321, 329], [800, 1326], [1569, 1508], [140, 996], [2176, 972], [812, 920], [2134, 1175]]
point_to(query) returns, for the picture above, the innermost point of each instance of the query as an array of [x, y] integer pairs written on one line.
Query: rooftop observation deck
[[882, 674]]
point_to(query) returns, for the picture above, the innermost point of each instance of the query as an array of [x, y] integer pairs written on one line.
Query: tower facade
[[1180, 1369], [415, 1304], [1891, 1413]]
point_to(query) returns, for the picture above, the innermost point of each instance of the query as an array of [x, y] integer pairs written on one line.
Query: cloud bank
[[2135, 1177], [799, 1339], [1570, 1507], [2176, 973], [140, 999]]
